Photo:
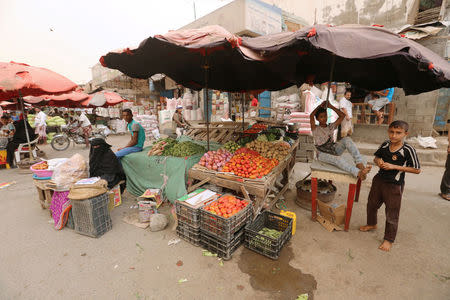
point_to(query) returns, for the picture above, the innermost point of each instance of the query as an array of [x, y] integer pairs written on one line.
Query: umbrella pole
[[243, 111], [331, 77], [25, 126], [206, 67]]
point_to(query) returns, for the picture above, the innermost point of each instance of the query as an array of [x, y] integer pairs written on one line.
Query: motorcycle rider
[[179, 123], [84, 124]]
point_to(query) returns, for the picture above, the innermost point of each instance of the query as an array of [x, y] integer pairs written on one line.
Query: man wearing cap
[[137, 140], [85, 125], [178, 121]]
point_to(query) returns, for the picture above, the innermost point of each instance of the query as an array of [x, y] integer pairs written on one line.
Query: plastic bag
[[158, 222], [69, 172]]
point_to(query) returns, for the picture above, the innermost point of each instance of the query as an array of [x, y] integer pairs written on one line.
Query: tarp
[[369, 57], [144, 172]]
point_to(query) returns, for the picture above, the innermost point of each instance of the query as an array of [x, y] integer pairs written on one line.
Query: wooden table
[[320, 170], [44, 192], [260, 188]]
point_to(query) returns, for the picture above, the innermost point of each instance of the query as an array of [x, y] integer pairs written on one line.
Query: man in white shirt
[[346, 107], [85, 125], [40, 124]]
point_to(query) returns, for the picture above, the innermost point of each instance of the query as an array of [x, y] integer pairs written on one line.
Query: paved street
[[38, 262]]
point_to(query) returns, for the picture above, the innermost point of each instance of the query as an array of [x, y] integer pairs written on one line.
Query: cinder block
[[418, 119], [411, 111], [428, 119]]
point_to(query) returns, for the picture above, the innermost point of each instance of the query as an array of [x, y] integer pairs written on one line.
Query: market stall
[[261, 188]]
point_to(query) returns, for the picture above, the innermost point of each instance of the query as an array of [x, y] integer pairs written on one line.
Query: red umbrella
[[6, 105], [18, 79], [103, 98], [72, 99]]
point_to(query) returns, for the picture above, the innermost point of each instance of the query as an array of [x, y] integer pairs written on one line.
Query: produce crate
[[223, 249], [188, 233], [265, 245], [187, 214], [91, 216], [225, 228]]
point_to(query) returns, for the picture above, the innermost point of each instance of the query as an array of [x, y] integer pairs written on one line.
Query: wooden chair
[[324, 171], [23, 149]]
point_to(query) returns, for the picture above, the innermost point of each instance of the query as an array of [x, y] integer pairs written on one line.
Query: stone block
[[411, 111]]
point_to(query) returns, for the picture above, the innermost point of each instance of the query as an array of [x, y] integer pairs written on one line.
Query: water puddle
[[276, 277]]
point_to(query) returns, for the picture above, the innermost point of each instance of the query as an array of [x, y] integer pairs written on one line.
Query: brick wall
[[418, 110]]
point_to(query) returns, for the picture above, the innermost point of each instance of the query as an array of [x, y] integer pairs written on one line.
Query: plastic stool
[[3, 156]]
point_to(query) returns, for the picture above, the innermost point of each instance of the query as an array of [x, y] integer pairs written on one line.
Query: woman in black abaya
[[104, 163]]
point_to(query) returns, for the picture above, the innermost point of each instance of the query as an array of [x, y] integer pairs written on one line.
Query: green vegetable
[[262, 138], [231, 146], [263, 240], [184, 149]]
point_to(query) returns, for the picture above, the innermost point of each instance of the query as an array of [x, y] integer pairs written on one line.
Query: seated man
[[137, 140], [329, 151], [104, 164], [377, 101]]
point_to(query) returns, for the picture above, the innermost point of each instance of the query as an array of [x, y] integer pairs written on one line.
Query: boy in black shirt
[[394, 158]]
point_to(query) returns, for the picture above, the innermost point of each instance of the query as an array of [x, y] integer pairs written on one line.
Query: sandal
[[445, 197]]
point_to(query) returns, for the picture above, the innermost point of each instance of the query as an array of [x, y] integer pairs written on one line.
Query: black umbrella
[[370, 57]]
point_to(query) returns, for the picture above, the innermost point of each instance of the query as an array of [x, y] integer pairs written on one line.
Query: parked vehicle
[[73, 133]]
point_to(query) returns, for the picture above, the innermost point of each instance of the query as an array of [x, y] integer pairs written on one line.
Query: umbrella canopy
[[72, 99], [18, 79], [6, 105], [103, 98], [370, 57]]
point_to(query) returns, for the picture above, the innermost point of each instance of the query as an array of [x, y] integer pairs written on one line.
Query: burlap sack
[[86, 191]]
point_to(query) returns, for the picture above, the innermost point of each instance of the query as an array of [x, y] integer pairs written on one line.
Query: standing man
[[346, 107], [445, 183], [137, 140], [178, 121], [41, 125], [85, 125]]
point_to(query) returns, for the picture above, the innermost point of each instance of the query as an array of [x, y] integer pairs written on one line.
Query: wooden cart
[[261, 188]]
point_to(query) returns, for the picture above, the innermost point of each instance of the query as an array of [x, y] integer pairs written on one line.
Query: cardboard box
[[332, 212], [198, 198]]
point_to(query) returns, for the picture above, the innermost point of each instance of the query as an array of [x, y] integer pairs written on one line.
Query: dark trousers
[[391, 195], [10, 149], [445, 183]]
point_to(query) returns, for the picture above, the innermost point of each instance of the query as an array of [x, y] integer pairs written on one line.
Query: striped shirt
[[406, 156]]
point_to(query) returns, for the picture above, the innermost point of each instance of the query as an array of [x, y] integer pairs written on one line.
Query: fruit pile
[[249, 164], [184, 149], [215, 160], [41, 166], [231, 146], [226, 206], [270, 150]]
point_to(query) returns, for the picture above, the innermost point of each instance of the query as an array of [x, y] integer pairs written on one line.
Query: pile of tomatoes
[[250, 164], [226, 206]]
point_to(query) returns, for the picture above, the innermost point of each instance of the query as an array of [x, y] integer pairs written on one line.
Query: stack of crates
[[188, 223], [224, 235], [188, 216]]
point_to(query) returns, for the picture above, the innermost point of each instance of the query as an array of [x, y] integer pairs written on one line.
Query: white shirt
[[84, 121], [39, 119], [344, 103]]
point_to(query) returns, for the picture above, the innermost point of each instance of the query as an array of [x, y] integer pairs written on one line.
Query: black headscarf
[[20, 135], [104, 163]]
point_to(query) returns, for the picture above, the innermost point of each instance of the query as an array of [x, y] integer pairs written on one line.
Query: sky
[[69, 36]]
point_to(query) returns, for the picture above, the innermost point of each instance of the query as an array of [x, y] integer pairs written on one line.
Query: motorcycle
[[73, 133]]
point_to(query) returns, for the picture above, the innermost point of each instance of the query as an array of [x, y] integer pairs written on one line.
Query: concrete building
[[426, 111], [133, 89]]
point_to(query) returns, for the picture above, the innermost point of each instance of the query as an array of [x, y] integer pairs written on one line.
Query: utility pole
[[195, 13]]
